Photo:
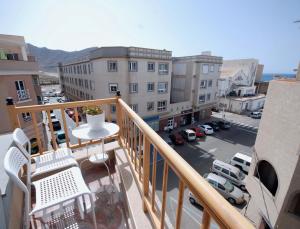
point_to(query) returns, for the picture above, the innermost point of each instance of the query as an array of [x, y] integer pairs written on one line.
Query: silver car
[[233, 194]]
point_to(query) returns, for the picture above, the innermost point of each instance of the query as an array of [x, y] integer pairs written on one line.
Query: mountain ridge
[[49, 58]]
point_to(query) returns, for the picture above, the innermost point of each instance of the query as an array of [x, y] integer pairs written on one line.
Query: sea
[[269, 76]]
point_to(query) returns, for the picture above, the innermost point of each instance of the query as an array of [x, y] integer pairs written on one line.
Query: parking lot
[[200, 154]]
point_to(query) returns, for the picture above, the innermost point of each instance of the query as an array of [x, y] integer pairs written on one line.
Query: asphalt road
[[200, 155]]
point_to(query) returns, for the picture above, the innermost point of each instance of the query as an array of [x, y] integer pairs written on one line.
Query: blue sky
[[234, 29]]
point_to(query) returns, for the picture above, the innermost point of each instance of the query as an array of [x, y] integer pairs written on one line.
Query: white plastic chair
[[54, 190], [49, 161]]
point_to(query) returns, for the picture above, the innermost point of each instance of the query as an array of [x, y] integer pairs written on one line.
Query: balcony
[[9, 67], [133, 151], [23, 95]]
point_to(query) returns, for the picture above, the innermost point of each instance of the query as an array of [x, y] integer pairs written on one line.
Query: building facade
[[19, 79], [194, 88], [143, 76], [274, 181]]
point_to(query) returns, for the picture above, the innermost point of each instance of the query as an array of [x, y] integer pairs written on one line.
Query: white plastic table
[[83, 132]]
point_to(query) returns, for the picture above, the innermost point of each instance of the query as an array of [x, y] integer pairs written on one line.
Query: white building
[[143, 76], [274, 177], [236, 89], [194, 88]]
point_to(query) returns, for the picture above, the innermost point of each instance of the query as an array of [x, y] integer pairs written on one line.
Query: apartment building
[[143, 76], [19, 80], [274, 181], [194, 88]]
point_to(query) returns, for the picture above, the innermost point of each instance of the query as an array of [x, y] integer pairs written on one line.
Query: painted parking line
[[249, 131]]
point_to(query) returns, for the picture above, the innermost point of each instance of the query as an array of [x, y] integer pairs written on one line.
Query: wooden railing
[[141, 142]]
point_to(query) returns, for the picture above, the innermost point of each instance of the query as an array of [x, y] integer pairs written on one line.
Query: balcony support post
[[146, 171], [12, 114]]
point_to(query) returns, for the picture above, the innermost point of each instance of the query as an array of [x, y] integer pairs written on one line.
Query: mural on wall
[[240, 72]]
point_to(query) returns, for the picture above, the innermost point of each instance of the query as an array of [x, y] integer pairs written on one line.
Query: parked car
[[176, 139], [233, 194], [188, 135], [52, 116], [255, 114], [214, 125], [233, 174], [60, 137], [241, 161], [207, 129], [56, 124], [199, 133], [224, 125]]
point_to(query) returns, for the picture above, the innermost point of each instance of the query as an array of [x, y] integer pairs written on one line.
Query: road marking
[[249, 131], [212, 150]]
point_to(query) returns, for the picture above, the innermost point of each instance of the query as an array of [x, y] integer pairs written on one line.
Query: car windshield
[[241, 175], [61, 136], [228, 186], [209, 128], [192, 134]]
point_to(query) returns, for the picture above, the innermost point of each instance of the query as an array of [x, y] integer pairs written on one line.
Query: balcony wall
[[9, 67]]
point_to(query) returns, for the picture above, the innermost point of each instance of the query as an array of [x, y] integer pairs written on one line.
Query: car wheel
[[231, 200], [192, 200]]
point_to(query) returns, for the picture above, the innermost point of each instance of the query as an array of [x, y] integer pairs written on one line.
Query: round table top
[[85, 133]]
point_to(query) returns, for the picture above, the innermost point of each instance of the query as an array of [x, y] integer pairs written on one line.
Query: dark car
[[224, 125], [199, 132], [56, 124], [214, 125], [177, 139]]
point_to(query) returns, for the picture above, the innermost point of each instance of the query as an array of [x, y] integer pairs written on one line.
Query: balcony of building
[[14, 66], [130, 198]]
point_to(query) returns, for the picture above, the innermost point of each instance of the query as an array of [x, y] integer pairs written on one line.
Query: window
[[113, 87], [150, 106], [162, 105], [26, 116], [210, 83], [221, 187], [74, 70], [225, 171], [112, 66], [133, 88], [238, 160], [89, 69], [76, 81], [233, 175], [162, 87], [150, 87], [217, 167], [205, 68], [84, 69], [208, 97], [86, 82], [219, 68], [134, 107], [201, 98], [113, 108], [266, 174], [247, 163], [211, 68], [132, 66], [203, 83], [163, 68], [151, 67]]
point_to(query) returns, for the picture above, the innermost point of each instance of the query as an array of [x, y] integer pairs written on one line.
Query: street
[[200, 155]]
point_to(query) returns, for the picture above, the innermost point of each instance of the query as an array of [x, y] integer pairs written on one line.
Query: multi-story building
[[194, 88], [143, 76], [274, 181], [18, 79], [236, 89]]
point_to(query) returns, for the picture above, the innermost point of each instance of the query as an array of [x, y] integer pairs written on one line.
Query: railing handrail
[[43, 107], [225, 214]]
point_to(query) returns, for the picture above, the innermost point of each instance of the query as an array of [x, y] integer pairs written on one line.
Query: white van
[[233, 174], [241, 161], [188, 135]]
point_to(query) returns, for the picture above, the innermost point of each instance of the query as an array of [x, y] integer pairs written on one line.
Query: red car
[[177, 139], [198, 131]]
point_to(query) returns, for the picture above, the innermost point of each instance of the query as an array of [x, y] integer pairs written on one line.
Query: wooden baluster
[[12, 114], [120, 121], [51, 130], [77, 121], [164, 197], [63, 116], [37, 134], [146, 171], [128, 134], [108, 112], [205, 220], [131, 140], [134, 144], [179, 206], [153, 179], [140, 153]]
